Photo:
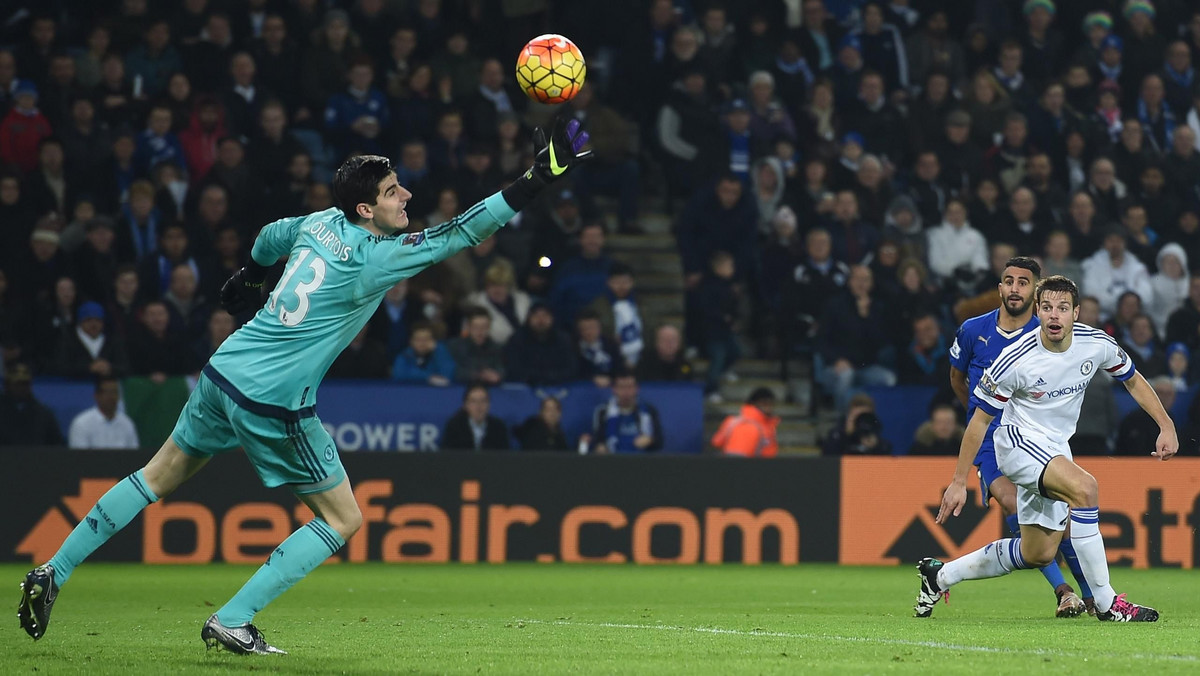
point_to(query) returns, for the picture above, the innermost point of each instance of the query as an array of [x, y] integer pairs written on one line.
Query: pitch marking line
[[937, 645]]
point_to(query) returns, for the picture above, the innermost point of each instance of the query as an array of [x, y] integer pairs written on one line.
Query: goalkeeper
[[259, 390]]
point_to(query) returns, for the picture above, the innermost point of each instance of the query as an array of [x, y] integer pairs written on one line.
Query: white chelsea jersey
[[1042, 391]]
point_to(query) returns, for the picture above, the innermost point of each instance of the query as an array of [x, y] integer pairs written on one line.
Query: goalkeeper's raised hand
[[554, 157], [243, 291]]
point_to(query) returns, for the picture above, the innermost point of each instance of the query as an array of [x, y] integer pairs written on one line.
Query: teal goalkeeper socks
[[112, 512], [288, 564]]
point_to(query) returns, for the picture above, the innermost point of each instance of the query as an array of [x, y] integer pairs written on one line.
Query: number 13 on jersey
[[306, 261]]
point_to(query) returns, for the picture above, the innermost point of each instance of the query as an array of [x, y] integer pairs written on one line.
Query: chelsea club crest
[[1086, 367]]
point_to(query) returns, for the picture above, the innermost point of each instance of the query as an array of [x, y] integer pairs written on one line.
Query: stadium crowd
[[846, 178]]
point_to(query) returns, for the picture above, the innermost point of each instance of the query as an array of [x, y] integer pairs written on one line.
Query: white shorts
[[1023, 458]]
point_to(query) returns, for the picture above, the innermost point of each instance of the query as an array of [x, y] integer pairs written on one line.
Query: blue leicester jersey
[[976, 345], [336, 275]]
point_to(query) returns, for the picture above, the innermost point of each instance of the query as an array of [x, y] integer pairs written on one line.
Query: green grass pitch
[[555, 619]]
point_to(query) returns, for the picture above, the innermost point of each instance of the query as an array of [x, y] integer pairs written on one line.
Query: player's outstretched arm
[[955, 496], [554, 157], [1167, 444]]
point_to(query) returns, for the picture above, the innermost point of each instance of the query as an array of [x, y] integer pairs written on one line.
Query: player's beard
[[1020, 310]]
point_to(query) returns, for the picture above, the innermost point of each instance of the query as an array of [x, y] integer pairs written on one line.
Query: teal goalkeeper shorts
[[297, 453]]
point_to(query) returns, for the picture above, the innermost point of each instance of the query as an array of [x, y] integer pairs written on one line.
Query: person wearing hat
[[22, 129], [1144, 45], [539, 353], [103, 426], [1112, 271], [848, 69], [1178, 365], [752, 432], [25, 421], [87, 352], [1096, 26], [1042, 44]]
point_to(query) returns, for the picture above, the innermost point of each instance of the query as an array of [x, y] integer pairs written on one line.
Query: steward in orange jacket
[[751, 433]]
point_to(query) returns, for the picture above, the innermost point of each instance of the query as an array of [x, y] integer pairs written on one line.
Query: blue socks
[[1068, 552], [288, 564], [112, 512]]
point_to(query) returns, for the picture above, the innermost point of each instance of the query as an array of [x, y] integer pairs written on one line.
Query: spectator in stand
[[858, 432], [103, 426], [1020, 225], [1182, 164], [87, 351], [582, 279], [619, 314], [1144, 347], [955, 244], [1184, 323], [926, 190], [154, 270], [614, 170], [477, 358], [1179, 78], [940, 435], [625, 424], [848, 72], [150, 64], [138, 231], [690, 139], [325, 63], [808, 286], [472, 428], [122, 311], [206, 127], [880, 123], [1098, 418], [853, 239], [599, 356], [989, 104], [666, 362], [426, 361], [1178, 367], [154, 351], [874, 193], [961, 158], [221, 325], [1138, 431], [926, 361], [752, 432], [507, 305], [883, 48], [357, 118], [721, 218], [189, 309], [364, 358], [493, 98], [1111, 272], [25, 421], [22, 129], [850, 341], [95, 261], [934, 48], [157, 143], [48, 188], [543, 432], [1057, 259], [538, 353], [1170, 285], [719, 298]]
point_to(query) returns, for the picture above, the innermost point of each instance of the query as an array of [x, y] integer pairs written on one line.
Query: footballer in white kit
[[1038, 382], [1040, 393]]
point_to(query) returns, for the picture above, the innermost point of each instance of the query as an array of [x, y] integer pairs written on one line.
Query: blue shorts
[[297, 453], [989, 471]]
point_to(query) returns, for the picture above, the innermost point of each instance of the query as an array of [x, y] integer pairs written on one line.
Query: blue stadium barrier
[[369, 416], [903, 408]]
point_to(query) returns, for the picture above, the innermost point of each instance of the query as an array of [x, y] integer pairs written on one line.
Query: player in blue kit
[[259, 390], [978, 342]]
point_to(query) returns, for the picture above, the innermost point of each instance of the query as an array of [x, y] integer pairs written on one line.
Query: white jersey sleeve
[[1116, 361], [1002, 379]]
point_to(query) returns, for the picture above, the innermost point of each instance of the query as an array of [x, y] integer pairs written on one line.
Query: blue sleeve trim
[[987, 406]]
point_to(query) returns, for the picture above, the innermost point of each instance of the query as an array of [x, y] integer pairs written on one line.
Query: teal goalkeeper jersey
[[336, 275]]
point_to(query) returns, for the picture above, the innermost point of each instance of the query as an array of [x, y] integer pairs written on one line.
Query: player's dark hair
[[357, 182], [1025, 263], [1059, 284]]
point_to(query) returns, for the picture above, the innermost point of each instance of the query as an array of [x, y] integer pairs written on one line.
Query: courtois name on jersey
[[335, 277], [1042, 391]]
